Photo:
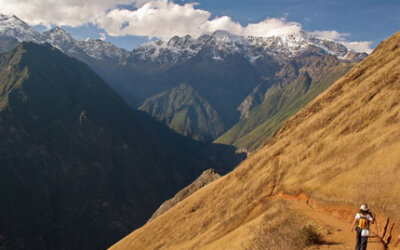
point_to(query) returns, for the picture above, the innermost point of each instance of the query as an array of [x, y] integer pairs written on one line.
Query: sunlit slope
[[344, 147]]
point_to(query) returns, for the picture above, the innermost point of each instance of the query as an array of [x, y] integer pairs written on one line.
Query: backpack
[[363, 222]]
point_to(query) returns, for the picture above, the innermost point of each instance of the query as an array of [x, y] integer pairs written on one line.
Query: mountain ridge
[[79, 167]]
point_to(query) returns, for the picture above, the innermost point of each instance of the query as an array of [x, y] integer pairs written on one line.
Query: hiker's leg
[[358, 239], [364, 241]]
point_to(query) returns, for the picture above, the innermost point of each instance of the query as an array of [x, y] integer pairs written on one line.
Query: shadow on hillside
[[223, 157]]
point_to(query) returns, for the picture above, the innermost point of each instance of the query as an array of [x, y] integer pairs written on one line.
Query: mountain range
[[79, 168], [339, 151], [225, 75], [94, 138]]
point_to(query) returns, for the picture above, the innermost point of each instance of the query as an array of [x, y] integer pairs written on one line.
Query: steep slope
[[281, 102], [79, 168], [186, 112], [205, 178], [342, 148]]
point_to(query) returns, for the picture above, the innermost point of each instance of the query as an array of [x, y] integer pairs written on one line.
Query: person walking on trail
[[361, 222]]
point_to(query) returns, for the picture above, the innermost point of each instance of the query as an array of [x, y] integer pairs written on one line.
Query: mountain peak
[[4, 17], [58, 29], [58, 32], [222, 36], [12, 26]]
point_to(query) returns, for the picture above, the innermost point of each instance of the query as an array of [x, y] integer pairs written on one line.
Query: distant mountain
[[13, 27], [223, 69], [80, 168], [255, 49], [341, 150], [282, 101], [186, 112]]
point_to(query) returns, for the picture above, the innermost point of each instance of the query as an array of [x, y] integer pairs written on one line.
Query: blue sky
[[365, 19], [353, 21]]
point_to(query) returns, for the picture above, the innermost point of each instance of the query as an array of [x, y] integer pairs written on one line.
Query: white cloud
[[161, 19], [164, 19], [272, 27], [357, 46], [153, 19], [59, 12], [103, 36], [364, 46], [330, 35]]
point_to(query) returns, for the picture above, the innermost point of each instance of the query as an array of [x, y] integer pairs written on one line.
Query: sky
[[360, 25]]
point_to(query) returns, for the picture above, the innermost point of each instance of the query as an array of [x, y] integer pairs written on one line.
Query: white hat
[[364, 207]]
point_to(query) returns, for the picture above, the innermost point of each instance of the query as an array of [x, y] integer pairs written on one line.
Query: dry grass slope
[[342, 148]]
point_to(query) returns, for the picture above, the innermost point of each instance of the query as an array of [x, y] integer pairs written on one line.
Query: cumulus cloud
[[160, 19], [272, 27], [154, 19], [71, 13], [357, 46], [163, 19]]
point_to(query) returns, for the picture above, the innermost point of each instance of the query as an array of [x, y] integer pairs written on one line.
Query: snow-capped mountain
[[12, 26], [62, 40], [15, 28], [178, 49], [99, 49], [221, 43]]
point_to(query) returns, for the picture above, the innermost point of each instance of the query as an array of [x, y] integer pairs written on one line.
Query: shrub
[[284, 237], [308, 236]]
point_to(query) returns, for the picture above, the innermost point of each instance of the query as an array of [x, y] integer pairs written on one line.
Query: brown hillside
[[342, 149]]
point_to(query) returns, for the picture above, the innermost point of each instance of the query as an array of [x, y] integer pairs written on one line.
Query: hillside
[[205, 178], [281, 102], [79, 168], [342, 149], [186, 112]]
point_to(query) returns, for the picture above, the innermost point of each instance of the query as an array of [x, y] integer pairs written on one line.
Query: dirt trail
[[338, 225]]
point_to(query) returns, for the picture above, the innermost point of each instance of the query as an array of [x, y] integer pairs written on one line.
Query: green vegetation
[[186, 112], [279, 104]]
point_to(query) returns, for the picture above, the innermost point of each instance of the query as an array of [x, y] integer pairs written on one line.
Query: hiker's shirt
[[363, 221]]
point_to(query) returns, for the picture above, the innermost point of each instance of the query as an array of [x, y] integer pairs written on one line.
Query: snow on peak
[[12, 26], [100, 49], [222, 43], [218, 45], [223, 36], [56, 35]]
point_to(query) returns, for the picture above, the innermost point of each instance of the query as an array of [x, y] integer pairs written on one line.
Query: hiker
[[362, 220]]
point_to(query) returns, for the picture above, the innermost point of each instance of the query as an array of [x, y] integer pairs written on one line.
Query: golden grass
[[344, 147]]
